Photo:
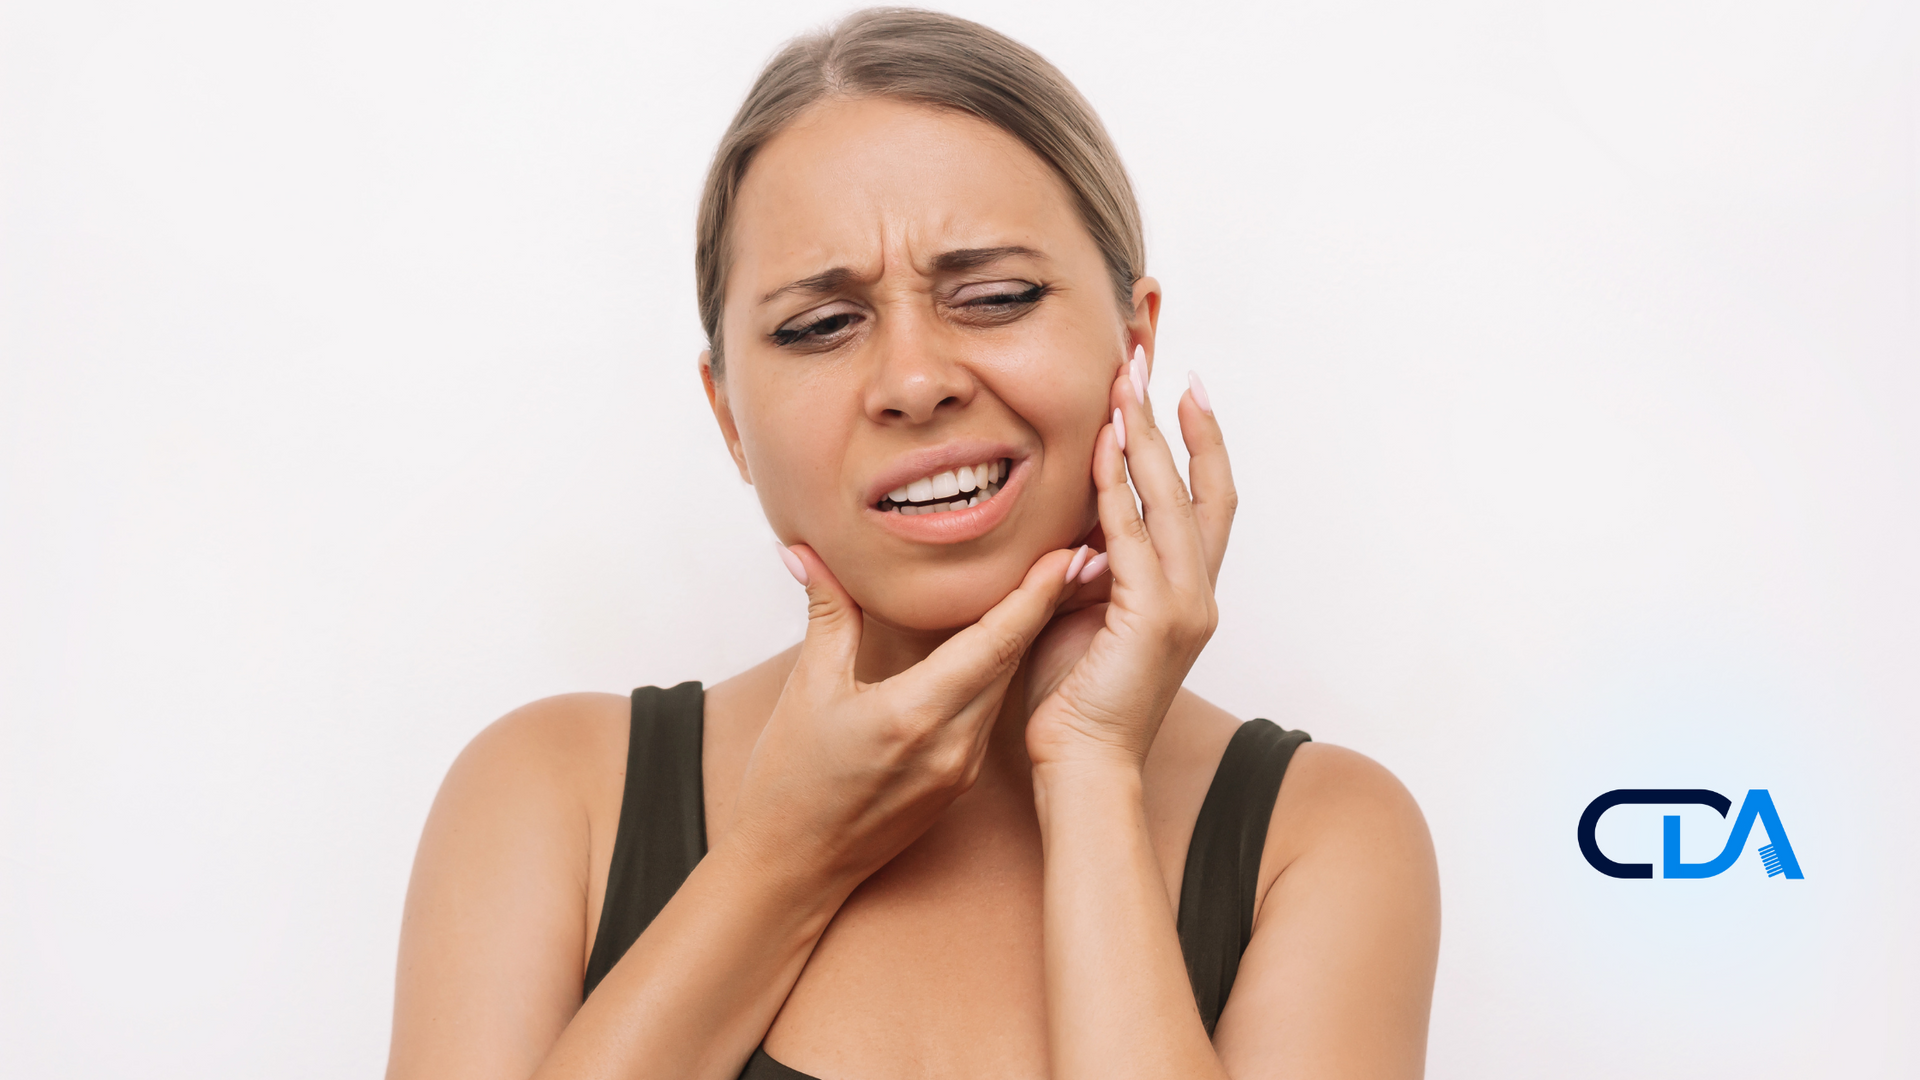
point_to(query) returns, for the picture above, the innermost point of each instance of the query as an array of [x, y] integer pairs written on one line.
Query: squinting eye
[[1005, 294], [819, 328]]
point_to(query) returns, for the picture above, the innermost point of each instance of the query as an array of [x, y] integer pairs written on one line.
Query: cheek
[[1066, 405], [1068, 470], [794, 445]]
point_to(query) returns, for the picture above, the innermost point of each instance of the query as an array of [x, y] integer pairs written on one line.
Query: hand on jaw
[[849, 773], [846, 773]]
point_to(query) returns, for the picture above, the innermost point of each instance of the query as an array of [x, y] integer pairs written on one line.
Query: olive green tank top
[[663, 833]]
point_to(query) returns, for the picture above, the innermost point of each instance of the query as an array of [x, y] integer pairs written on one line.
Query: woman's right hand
[[847, 774]]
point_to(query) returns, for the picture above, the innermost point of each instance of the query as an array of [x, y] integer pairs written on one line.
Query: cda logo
[[1776, 856]]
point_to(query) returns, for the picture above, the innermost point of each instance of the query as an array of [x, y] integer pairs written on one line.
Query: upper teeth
[[981, 480]]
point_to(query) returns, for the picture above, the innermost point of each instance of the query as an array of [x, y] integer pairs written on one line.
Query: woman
[[972, 825]]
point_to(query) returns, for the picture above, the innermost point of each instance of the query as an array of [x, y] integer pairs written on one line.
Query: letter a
[[1758, 805]]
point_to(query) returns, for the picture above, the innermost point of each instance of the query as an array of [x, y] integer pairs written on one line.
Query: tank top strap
[[1222, 877], [663, 820]]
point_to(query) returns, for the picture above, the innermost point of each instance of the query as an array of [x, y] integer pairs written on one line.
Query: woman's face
[[921, 339]]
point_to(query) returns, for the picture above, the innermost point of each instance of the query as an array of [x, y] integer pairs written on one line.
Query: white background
[[1567, 352]]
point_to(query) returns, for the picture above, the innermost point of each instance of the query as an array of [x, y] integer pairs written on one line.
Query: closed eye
[[997, 302], [1000, 293]]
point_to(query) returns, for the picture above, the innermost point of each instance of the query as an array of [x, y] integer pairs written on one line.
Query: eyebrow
[[949, 262], [824, 281], [970, 258]]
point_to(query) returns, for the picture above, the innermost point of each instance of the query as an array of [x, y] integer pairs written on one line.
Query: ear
[[717, 399], [1144, 323]]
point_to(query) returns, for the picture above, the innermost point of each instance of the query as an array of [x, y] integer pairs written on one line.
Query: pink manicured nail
[[1120, 430], [1094, 568], [1199, 393], [794, 566], [1079, 560], [1137, 371]]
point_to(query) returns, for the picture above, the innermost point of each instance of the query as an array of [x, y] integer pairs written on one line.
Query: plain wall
[[1567, 354]]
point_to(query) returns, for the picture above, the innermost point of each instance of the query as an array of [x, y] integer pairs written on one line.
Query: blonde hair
[[931, 59]]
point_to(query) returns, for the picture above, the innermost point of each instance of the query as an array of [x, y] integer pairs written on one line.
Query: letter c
[[1657, 796]]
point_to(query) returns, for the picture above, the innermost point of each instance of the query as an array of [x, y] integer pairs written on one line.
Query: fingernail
[[1199, 393], [1138, 372], [1094, 568], [1120, 430], [794, 566], [1079, 560]]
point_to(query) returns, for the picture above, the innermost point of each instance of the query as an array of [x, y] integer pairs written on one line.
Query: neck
[[886, 651]]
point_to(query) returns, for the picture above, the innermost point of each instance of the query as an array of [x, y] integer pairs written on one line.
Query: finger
[[1094, 568], [1215, 499], [1093, 580], [970, 661], [1130, 553], [976, 720], [833, 619], [1166, 506]]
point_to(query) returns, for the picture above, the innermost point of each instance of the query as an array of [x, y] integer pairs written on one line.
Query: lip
[[952, 526]]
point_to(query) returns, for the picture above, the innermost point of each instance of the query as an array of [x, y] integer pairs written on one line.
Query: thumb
[[833, 619], [970, 660]]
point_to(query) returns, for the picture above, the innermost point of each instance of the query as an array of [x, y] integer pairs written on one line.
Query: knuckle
[[950, 764], [905, 731], [1194, 621], [971, 774]]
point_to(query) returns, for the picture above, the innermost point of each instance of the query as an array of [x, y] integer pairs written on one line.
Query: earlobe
[[723, 414]]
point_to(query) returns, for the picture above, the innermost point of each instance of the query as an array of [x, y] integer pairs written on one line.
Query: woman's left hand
[[1100, 679]]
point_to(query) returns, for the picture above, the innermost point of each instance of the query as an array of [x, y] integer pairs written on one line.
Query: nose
[[917, 375]]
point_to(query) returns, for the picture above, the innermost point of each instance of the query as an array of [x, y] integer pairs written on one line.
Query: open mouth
[[954, 489]]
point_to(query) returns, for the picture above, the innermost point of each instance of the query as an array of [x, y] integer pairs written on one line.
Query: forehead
[[856, 182]]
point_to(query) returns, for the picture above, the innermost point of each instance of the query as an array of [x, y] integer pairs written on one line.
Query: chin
[[940, 600]]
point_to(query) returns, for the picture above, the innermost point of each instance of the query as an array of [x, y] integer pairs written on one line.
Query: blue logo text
[[1776, 855]]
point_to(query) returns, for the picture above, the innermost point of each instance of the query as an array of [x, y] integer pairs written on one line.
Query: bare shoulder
[[538, 786], [558, 765], [1345, 825], [1347, 931], [1339, 804], [545, 777], [555, 738], [495, 933]]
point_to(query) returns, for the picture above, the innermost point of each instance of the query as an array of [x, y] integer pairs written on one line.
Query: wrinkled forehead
[[878, 185]]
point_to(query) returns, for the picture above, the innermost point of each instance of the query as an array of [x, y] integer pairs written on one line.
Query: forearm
[[696, 993], [1118, 1000]]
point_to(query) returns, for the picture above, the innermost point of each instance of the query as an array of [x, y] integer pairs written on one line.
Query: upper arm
[[494, 930], [1338, 979]]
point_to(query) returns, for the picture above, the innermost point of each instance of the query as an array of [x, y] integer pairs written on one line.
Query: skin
[[946, 830]]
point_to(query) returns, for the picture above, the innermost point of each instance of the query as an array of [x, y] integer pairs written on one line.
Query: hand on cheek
[[1164, 546]]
